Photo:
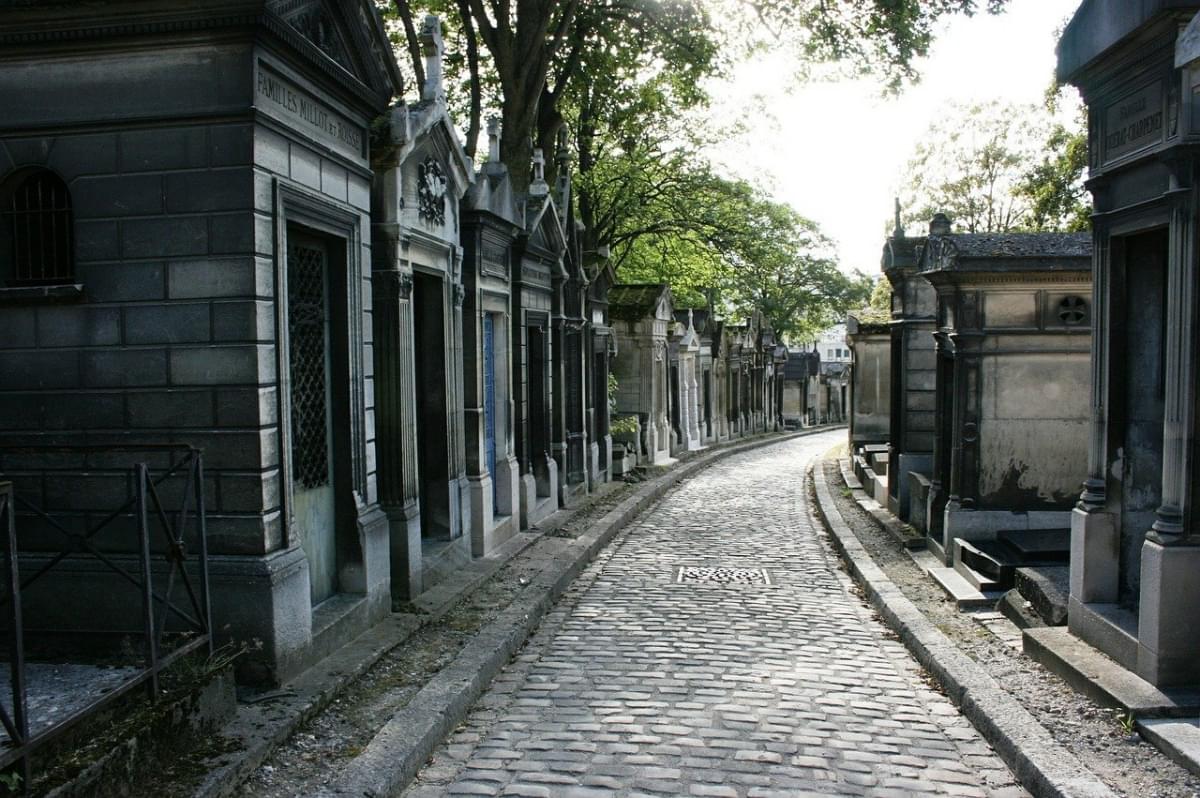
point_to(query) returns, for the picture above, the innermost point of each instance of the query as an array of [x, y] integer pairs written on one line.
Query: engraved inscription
[[294, 105], [1133, 123]]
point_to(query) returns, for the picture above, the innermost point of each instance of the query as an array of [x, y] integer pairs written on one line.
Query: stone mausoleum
[[187, 259], [1135, 547]]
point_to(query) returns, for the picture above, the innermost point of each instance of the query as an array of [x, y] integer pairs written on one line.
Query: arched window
[[36, 234]]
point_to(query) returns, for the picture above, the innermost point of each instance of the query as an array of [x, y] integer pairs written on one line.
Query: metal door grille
[[37, 216], [307, 361]]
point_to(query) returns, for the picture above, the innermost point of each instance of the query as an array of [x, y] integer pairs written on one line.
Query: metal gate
[[311, 417]]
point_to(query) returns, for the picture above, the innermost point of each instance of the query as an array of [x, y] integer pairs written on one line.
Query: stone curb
[[393, 757], [1043, 767]]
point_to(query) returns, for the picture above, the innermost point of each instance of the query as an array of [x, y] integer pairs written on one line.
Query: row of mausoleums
[[219, 230], [1017, 370]]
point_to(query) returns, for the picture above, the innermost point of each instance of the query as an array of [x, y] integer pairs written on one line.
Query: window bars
[[191, 630], [36, 212]]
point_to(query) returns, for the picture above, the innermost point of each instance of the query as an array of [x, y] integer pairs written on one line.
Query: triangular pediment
[[350, 35]]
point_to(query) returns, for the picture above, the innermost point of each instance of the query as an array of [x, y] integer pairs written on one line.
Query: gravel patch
[[1094, 734]]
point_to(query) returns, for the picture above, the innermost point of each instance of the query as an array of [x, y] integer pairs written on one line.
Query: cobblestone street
[[716, 649]]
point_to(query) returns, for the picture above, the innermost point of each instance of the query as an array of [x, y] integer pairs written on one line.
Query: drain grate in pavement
[[721, 575]]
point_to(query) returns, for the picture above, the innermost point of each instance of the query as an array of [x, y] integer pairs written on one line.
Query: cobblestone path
[[637, 684]]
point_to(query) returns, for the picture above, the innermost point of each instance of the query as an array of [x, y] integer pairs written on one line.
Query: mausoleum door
[[1142, 374], [310, 351], [433, 434], [539, 421], [489, 397]]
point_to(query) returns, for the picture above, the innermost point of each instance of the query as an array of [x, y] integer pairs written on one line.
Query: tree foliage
[[538, 48], [624, 79], [985, 166]]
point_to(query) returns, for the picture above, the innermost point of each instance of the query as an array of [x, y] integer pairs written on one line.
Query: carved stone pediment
[[313, 20], [349, 33], [939, 253], [431, 191]]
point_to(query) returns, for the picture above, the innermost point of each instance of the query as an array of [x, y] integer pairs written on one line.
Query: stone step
[[992, 560], [1039, 545], [1103, 680], [964, 594], [966, 558]]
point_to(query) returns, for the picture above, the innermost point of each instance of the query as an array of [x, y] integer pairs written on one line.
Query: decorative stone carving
[[431, 191], [460, 293], [1073, 310], [311, 20]]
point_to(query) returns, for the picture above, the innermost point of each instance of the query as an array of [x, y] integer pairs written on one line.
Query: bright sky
[[837, 151]]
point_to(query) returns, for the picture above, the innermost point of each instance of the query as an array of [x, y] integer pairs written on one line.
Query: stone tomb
[[710, 371], [570, 446], [207, 285], [1135, 551], [685, 383], [538, 254], [1013, 344], [912, 368], [798, 371], [601, 276], [869, 415], [642, 317], [491, 222], [421, 171]]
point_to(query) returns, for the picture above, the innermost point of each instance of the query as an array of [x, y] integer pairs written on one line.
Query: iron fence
[[191, 615]]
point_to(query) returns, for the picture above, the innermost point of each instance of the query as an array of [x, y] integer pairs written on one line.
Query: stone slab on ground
[[1092, 673], [964, 594], [1042, 765], [1178, 739], [1047, 588]]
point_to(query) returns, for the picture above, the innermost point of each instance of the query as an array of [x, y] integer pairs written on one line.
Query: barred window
[[36, 233]]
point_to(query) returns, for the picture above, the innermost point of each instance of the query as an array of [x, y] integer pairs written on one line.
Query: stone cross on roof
[[538, 186], [493, 134], [432, 48], [898, 230]]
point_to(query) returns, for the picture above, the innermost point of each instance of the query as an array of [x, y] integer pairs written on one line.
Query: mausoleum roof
[[1099, 25], [1007, 252]]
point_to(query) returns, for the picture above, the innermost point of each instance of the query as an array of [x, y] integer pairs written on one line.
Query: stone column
[[1095, 536], [396, 431], [1168, 646]]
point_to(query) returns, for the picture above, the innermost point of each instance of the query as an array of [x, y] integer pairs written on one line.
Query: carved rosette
[[431, 192]]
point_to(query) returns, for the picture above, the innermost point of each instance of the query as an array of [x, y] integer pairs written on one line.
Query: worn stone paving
[[722, 682]]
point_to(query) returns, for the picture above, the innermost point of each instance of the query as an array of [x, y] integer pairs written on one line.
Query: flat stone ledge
[[1043, 767], [1103, 679], [904, 534], [1178, 739]]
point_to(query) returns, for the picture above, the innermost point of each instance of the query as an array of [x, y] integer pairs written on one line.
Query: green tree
[[1053, 185], [984, 166], [538, 48]]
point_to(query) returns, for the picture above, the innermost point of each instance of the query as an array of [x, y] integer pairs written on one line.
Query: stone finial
[[898, 227], [691, 324], [432, 48], [538, 186], [493, 134], [939, 225], [563, 158]]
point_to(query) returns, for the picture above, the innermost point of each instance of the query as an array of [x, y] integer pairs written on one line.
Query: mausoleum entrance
[[433, 463], [1139, 312]]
